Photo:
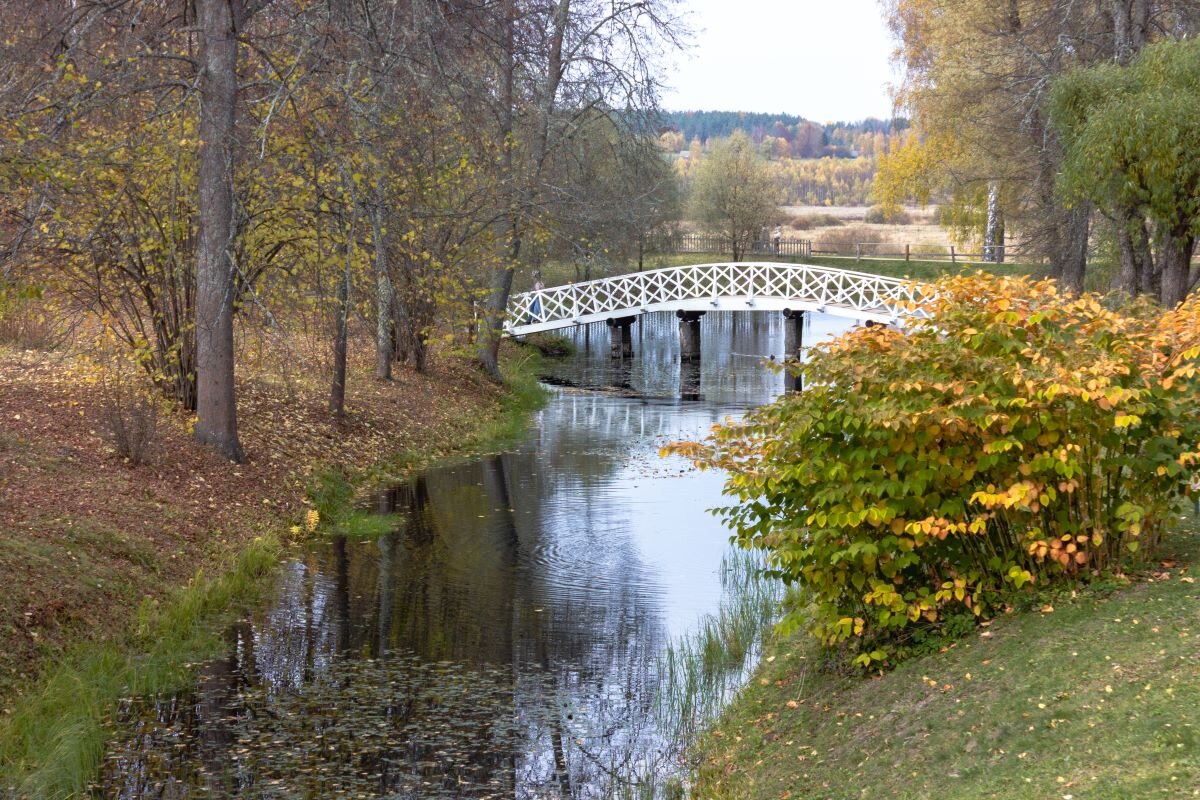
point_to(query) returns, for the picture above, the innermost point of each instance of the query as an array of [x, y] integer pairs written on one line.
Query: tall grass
[[700, 672]]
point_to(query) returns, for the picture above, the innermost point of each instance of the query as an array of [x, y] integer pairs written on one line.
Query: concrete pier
[[793, 343], [620, 331], [689, 335], [689, 380]]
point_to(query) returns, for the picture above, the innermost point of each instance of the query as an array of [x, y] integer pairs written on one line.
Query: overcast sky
[[825, 60]]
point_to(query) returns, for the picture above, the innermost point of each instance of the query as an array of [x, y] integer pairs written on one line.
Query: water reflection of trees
[[436, 660], [502, 642]]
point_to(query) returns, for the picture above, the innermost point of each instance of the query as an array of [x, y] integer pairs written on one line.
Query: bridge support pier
[[620, 332], [689, 380], [793, 343], [689, 335]]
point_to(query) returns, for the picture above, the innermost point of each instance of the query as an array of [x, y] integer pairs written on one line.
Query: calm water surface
[[506, 638]]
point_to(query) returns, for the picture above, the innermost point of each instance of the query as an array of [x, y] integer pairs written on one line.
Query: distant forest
[[803, 138], [815, 164]]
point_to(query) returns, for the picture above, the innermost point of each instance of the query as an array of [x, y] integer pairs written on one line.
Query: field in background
[[925, 214], [840, 229], [837, 233], [557, 273]]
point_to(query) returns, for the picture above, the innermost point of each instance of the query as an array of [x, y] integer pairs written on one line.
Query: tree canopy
[[1132, 138], [977, 84], [734, 193], [299, 166]]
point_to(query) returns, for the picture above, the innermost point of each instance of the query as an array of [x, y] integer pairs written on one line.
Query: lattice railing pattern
[[660, 289]]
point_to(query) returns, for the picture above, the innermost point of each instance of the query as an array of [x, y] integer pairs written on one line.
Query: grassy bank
[[121, 576], [1093, 695]]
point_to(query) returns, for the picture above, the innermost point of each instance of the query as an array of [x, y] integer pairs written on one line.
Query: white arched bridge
[[690, 291]]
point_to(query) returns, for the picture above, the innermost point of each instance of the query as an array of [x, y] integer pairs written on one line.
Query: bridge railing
[[640, 291]]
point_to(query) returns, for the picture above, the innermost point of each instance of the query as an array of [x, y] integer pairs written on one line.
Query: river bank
[[1091, 694], [118, 574]]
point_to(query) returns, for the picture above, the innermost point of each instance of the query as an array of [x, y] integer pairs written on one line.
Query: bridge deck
[[722, 287]]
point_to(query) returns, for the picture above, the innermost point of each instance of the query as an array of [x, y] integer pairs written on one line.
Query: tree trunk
[[1134, 246], [1073, 245], [384, 329], [1126, 278], [399, 321], [494, 308], [1151, 278], [216, 403], [993, 236], [491, 325], [1177, 266], [419, 353], [502, 278], [337, 393], [1130, 19]]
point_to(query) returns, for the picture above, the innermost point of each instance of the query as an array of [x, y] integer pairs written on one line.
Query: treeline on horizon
[[804, 138]]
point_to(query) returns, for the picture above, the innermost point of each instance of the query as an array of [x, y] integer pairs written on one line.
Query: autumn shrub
[[131, 418], [25, 322], [1016, 440], [806, 222], [130, 405], [845, 240], [882, 215]]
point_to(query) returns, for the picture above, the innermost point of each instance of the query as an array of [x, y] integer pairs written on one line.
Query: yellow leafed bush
[[1019, 437]]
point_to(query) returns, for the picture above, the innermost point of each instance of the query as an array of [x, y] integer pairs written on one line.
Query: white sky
[[825, 60]]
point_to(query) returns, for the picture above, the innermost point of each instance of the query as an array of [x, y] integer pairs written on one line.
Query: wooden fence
[[708, 243], [921, 252], [803, 248]]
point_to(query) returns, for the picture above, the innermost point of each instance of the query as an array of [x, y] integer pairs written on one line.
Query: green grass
[[1096, 698], [699, 670], [52, 744], [54, 741], [922, 270]]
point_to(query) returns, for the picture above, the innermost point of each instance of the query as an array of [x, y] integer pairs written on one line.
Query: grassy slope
[[1097, 698]]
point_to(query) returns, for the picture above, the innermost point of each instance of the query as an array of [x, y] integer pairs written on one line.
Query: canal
[[533, 625]]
